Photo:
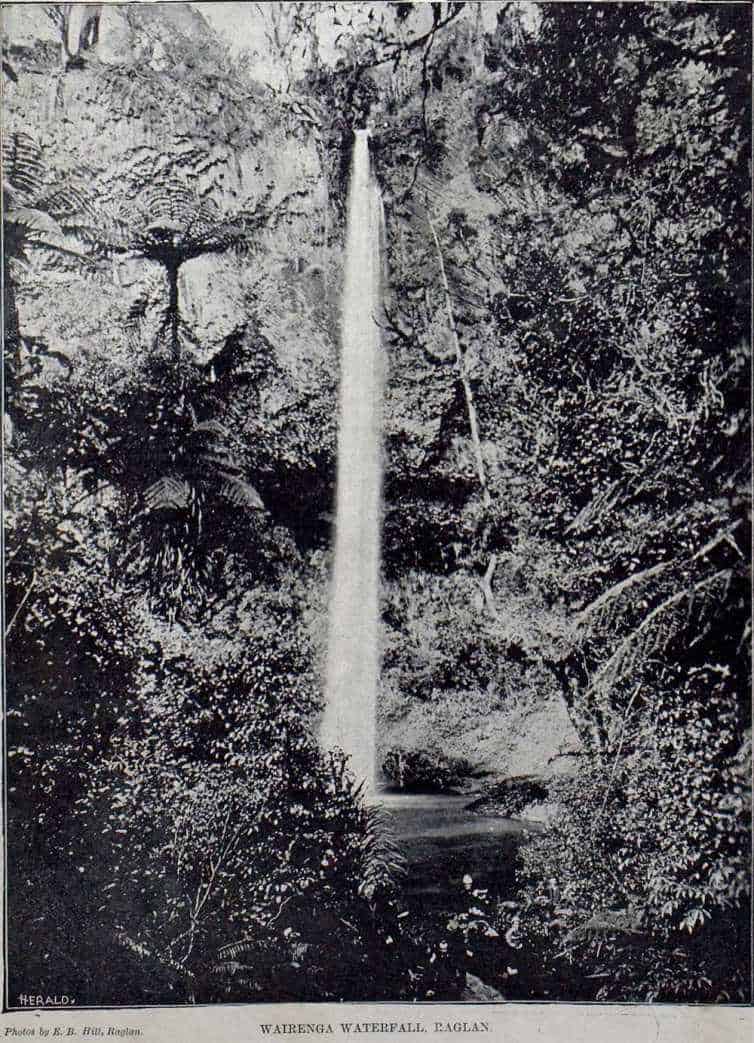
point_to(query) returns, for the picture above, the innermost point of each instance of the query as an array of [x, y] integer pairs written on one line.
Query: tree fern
[[42, 219], [170, 542]]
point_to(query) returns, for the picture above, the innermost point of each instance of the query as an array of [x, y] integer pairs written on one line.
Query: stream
[[443, 841]]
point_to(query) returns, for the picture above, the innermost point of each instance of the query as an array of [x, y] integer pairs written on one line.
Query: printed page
[[376, 521]]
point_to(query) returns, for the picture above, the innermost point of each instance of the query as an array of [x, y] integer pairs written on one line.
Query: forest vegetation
[[566, 500]]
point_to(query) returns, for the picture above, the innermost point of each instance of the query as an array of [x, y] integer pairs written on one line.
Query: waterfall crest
[[353, 648]]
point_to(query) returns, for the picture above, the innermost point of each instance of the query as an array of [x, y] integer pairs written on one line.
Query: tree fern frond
[[168, 493], [63, 257], [33, 222], [671, 617], [170, 213], [233, 950], [604, 611], [23, 166], [241, 494], [212, 427]]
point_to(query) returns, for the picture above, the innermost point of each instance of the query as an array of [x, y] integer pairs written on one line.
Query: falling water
[[353, 652]]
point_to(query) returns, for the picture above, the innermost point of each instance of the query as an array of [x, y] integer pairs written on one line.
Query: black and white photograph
[[376, 505]]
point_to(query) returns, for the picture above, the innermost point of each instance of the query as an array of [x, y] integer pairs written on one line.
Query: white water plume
[[353, 650]]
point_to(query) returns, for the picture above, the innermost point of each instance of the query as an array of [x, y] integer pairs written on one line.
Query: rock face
[[122, 35], [27, 24], [536, 739], [119, 124], [210, 296]]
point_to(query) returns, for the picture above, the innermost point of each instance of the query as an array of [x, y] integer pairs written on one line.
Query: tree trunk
[[10, 309], [12, 340], [326, 224], [173, 315], [587, 720], [462, 374]]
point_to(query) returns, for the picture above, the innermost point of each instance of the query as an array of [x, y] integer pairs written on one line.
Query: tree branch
[[412, 45], [23, 601]]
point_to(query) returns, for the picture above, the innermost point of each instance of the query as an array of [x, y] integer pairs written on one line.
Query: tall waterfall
[[353, 650]]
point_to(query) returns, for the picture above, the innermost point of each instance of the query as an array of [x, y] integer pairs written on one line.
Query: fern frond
[[149, 296], [603, 609], [211, 427], [145, 952], [168, 493], [23, 166], [241, 494], [671, 617], [606, 610], [169, 213], [384, 862], [233, 950], [33, 223], [229, 969], [597, 507]]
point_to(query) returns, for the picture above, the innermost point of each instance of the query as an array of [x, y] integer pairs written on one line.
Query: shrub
[[641, 885], [227, 846], [426, 770]]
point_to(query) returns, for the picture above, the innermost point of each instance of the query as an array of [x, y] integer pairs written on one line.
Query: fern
[[384, 862], [673, 616], [32, 224], [607, 611], [171, 545], [600, 505], [51, 210], [234, 950], [151, 295], [144, 952]]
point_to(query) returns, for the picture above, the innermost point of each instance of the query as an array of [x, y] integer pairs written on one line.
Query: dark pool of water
[[443, 842]]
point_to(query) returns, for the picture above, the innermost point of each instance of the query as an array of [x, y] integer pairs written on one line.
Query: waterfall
[[353, 649]]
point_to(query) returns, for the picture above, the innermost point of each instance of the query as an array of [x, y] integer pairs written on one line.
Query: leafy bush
[[222, 829], [643, 881], [73, 649], [427, 770]]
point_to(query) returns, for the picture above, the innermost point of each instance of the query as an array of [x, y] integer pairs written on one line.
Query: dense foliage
[[567, 213], [585, 246]]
